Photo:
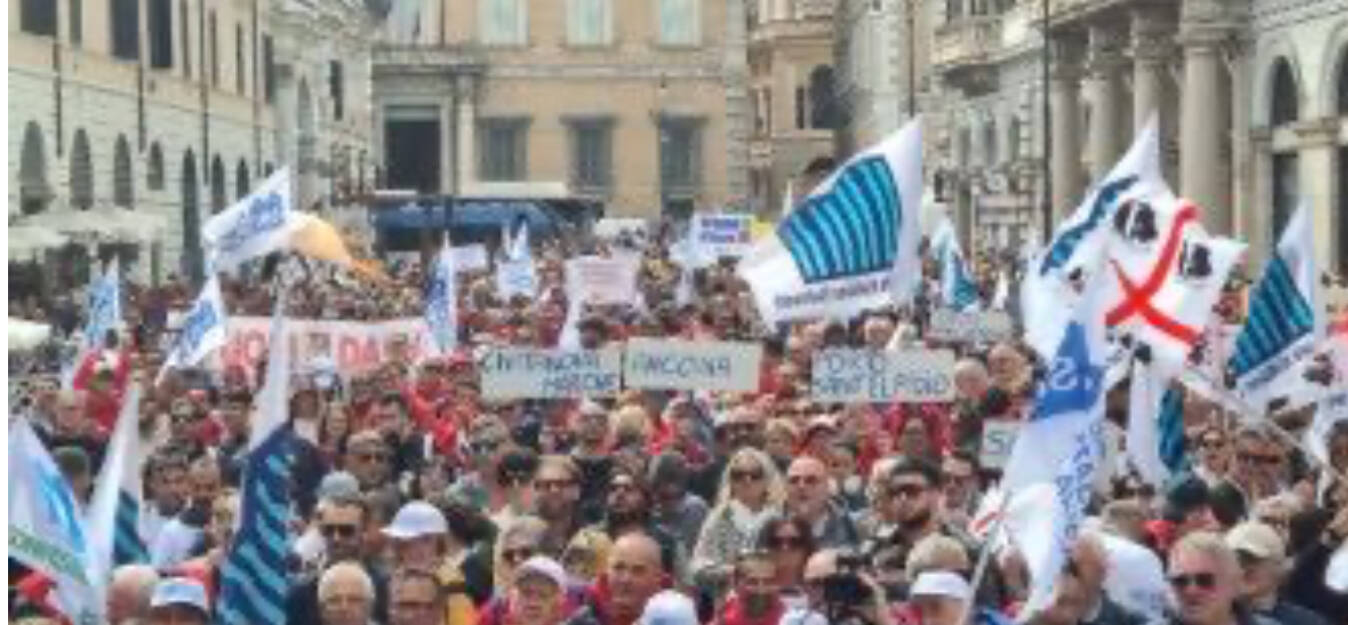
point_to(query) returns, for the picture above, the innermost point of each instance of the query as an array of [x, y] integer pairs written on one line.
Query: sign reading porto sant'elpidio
[[864, 376]]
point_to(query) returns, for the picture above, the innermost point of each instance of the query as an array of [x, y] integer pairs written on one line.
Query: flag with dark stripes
[[1170, 427], [1279, 317], [850, 230], [127, 546]]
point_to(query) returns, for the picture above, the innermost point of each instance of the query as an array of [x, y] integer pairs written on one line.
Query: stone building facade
[[639, 103], [159, 113]]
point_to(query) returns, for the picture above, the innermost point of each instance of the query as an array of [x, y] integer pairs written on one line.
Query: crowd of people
[[417, 501]]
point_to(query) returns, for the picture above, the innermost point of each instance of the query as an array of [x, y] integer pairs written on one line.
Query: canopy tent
[[25, 335], [27, 240]]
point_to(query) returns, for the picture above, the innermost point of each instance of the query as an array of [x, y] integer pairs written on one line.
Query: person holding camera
[[839, 592]]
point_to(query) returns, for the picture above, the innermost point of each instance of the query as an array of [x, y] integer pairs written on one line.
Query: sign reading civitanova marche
[[866, 376], [518, 372], [988, 326], [692, 365]]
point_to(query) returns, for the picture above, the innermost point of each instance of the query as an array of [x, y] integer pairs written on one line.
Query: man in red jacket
[[756, 599]]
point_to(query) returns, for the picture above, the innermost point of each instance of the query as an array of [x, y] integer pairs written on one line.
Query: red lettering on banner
[[348, 353]]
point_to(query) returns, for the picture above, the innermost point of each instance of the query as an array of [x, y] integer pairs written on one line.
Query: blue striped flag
[[1170, 425], [850, 231], [1155, 434], [254, 577], [1281, 329]]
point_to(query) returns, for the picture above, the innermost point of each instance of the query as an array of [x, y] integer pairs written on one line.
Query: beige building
[[639, 103], [793, 92], [132, 121]]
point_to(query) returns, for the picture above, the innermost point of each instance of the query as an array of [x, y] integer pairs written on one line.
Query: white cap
[[416, 519], [941, 584], [669, 607], [180, 591], [545, 566]]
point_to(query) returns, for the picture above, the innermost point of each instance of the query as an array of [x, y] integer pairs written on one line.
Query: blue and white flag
[[1283, 327], [442, 303], [1047, 294], [114, 510], [515, 274], [852, 245], [47, 530], [1155, 435], [203, 329], [254, 577], [105, 307], [1059, 450], [257, 225], [958, 290]]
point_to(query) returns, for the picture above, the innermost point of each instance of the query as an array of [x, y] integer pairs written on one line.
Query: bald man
[[634, 575], [809, 496], [129, 593]]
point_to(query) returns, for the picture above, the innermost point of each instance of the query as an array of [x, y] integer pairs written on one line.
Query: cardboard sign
[[523, 373], [692, 365], [724, 235], [354, 346], [870, 376], [603, 280], [970, 327], [999, 437]]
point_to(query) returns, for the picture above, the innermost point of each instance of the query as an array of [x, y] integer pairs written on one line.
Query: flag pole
[[984, 557]]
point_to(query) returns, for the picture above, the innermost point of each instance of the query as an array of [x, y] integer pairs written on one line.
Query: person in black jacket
[[1263, 560], [341, 520]]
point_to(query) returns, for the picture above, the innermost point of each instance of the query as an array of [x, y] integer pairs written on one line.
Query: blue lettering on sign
[[263, 214], [677, 366], [195, 327]]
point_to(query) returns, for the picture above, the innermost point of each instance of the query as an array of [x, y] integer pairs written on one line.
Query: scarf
[[746, 521]]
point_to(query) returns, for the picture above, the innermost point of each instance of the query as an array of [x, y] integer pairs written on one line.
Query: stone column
[[1107, 138], [1318, 140], [1204, 125], [465, 132], [449, 167], [1064, 101], [1153, 50]]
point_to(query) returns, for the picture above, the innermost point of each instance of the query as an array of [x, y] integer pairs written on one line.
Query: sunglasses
[[484, 447], [746, 476], [1269, 460], [789, 541], [517, 555], [906, 491], [337, 529], [1203, 581]]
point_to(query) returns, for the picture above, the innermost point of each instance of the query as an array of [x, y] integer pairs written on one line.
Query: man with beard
[[409, 447], [167, 475], [629, 510], [756, 599], [557, 492], [590, 454], [342, 521], [183, 534]]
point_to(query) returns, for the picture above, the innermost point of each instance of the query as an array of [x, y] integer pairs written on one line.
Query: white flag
[[117, 492], [259, 224], [203, 329], [46, 527], [105, 307], [442, 303]]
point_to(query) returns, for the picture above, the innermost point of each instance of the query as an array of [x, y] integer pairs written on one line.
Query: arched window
[[217, 185], [1013, 139], [81, 172], [823, 100], [154, 168], [122, 183], [241, 183], [1343, 82], [192, 265], [33, 190], [267, 169], [1283, 99]]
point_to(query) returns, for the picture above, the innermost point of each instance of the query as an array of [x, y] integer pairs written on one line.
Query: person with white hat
[[939, 597], [669, 607], [417, 534], [538, 593], [179, 601]]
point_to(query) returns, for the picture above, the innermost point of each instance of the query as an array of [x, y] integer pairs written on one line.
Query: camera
[[846, 595]]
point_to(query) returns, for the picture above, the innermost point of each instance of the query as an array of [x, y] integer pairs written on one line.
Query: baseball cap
[[545, 566], [941, 584], [669, 607], [180, 591], [416, 519], [1257, 539]]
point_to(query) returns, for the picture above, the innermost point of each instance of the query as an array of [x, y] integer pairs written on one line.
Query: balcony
[[966, 52]]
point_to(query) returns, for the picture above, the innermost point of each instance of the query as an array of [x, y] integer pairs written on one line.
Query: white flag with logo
[[203, 329], [259, 224], [442, 303], [105, 307]]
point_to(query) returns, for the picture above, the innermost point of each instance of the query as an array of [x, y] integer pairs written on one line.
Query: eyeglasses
[[1266, 460], [807, 480], [333, 530], [1203, 581], [785, 541], [517, 555], [906, 491], [484, 446], [1211, 443], [752, 475], [371, 456]]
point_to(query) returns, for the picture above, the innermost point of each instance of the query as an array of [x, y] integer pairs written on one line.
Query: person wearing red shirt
[[756, 599]]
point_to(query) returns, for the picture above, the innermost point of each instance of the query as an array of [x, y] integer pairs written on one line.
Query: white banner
[[724, 234], [257, 225], [523, 373], [353, 346], [598, 280], [692, 365], [870, 376], [970, 327]]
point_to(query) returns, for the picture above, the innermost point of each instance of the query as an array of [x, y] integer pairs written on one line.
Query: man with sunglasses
[[1263, 561], [368, 459], [1205, 576], [341, 521], [809, 497]]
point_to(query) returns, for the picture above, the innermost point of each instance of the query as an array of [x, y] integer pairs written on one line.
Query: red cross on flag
[[1168, 275]]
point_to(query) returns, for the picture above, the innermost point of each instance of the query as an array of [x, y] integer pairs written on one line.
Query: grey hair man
[[346, 595], [129, 593]]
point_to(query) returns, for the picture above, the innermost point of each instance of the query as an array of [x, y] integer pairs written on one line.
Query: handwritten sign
[[865, 376], [999, 437], [354, 346], [724, 235], [603, 280], [514, 373], [970, 327], [692, 365]]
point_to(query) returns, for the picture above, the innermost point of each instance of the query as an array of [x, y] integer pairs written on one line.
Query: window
[[125, 29], [154, 169], [589, 22], [1285, 190], [1013, 139], [504, 22], [678, 22], [217, 185], [1343, 82], [38, 17], [823, 99], [33, 190], [242, 185], [680, 156], [336, 87], [187, 39], [268, 70], [122, 183], [504, 149], [800, 108], [954, 9], [989, 144], [1284, 97], [238, 58], [161, 33], [591, 154], [81, 172], [76, 22], [212, 32]]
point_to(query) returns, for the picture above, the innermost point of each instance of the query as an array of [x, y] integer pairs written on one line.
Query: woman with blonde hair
[[521, 538], [752, 491]]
